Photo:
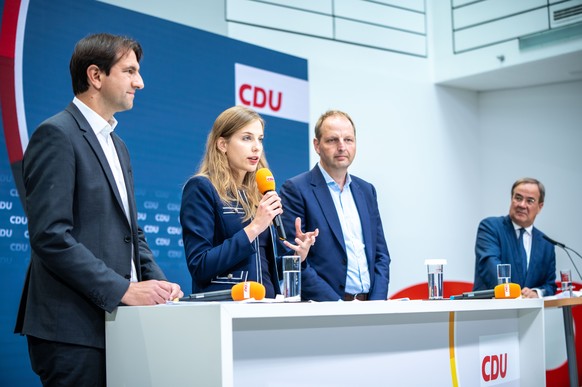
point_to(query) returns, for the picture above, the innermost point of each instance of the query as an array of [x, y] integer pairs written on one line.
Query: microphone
[[266, 183], [555, 243], [240, 291], [474, 295], [508, 290], [248, 289], [565, 248], [219, 295]]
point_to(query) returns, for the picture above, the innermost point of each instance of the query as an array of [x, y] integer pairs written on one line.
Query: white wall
[[535, 132], [440, 158]]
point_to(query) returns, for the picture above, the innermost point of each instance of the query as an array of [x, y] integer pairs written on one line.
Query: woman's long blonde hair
[[215, 164]]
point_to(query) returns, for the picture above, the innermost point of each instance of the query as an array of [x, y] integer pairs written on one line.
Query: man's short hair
[[327, 114], [531, 180]]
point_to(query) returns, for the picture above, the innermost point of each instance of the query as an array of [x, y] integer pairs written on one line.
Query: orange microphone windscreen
[[265, 180], [248, 289], [508, 290]]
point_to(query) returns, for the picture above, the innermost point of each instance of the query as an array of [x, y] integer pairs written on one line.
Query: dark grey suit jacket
[[80, 237]]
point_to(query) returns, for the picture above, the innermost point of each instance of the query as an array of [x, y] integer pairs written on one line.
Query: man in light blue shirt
[[350, 260]]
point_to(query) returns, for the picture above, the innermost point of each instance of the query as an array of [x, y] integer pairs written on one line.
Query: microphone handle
[[219, 295], [480, 294], [474, 295], [554, 242], [278, 222]]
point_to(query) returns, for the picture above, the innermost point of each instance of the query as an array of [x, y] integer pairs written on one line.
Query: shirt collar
[[96, 122], [330, 181], [527, 229]]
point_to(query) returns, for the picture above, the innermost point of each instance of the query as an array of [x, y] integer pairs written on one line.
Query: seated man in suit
[[350, 259], [513, 239]]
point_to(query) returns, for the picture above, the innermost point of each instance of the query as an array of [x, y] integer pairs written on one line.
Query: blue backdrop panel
[[189, 80]]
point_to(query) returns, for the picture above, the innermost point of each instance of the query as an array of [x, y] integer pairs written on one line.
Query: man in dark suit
[[350, 259], [88, 253], [514, 240]]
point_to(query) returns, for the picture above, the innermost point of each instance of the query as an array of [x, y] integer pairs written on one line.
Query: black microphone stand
[[565, 248]]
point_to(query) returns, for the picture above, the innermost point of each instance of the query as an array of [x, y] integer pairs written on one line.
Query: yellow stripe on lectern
[[452, 349]]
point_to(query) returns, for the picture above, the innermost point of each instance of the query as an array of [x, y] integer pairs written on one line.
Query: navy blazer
[[80, 236], [497, 242], [324, 272], [218, 251]]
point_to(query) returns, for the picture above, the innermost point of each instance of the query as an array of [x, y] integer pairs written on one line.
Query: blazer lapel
[[323, 197], [127, 177], [125, 164], [534, 257], [91, 138], [517, 271]]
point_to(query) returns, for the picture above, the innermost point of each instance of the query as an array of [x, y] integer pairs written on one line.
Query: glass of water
[[435, 278], [566, 282], [291, 278], [503, 273]]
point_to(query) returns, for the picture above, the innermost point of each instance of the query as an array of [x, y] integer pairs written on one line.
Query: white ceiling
[[562, 68]]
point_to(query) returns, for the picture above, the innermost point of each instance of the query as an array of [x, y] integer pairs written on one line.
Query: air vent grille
[[567, 13]]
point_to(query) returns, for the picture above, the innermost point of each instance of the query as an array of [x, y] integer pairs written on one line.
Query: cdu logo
[[151, 205], [162, 241], [151, 229], [5, 205], [18, 219], [5, 233], [162, 217], [257, 97], [499, 359], [272, 93], [171, 230], [494, 367]]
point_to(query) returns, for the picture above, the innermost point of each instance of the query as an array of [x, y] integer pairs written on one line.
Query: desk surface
[[558, 302], [240, 310]]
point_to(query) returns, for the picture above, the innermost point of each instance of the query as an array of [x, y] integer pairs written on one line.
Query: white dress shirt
[[358, 276], [103, 130]]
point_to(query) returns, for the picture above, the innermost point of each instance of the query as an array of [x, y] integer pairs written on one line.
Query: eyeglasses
[[517, 198]]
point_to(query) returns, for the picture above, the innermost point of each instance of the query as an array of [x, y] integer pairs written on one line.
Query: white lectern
[[412, 343]]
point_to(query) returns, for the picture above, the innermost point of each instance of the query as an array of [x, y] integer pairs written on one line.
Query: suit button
[[128, 276], [342, 287], [229, 276], [127, 239]]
